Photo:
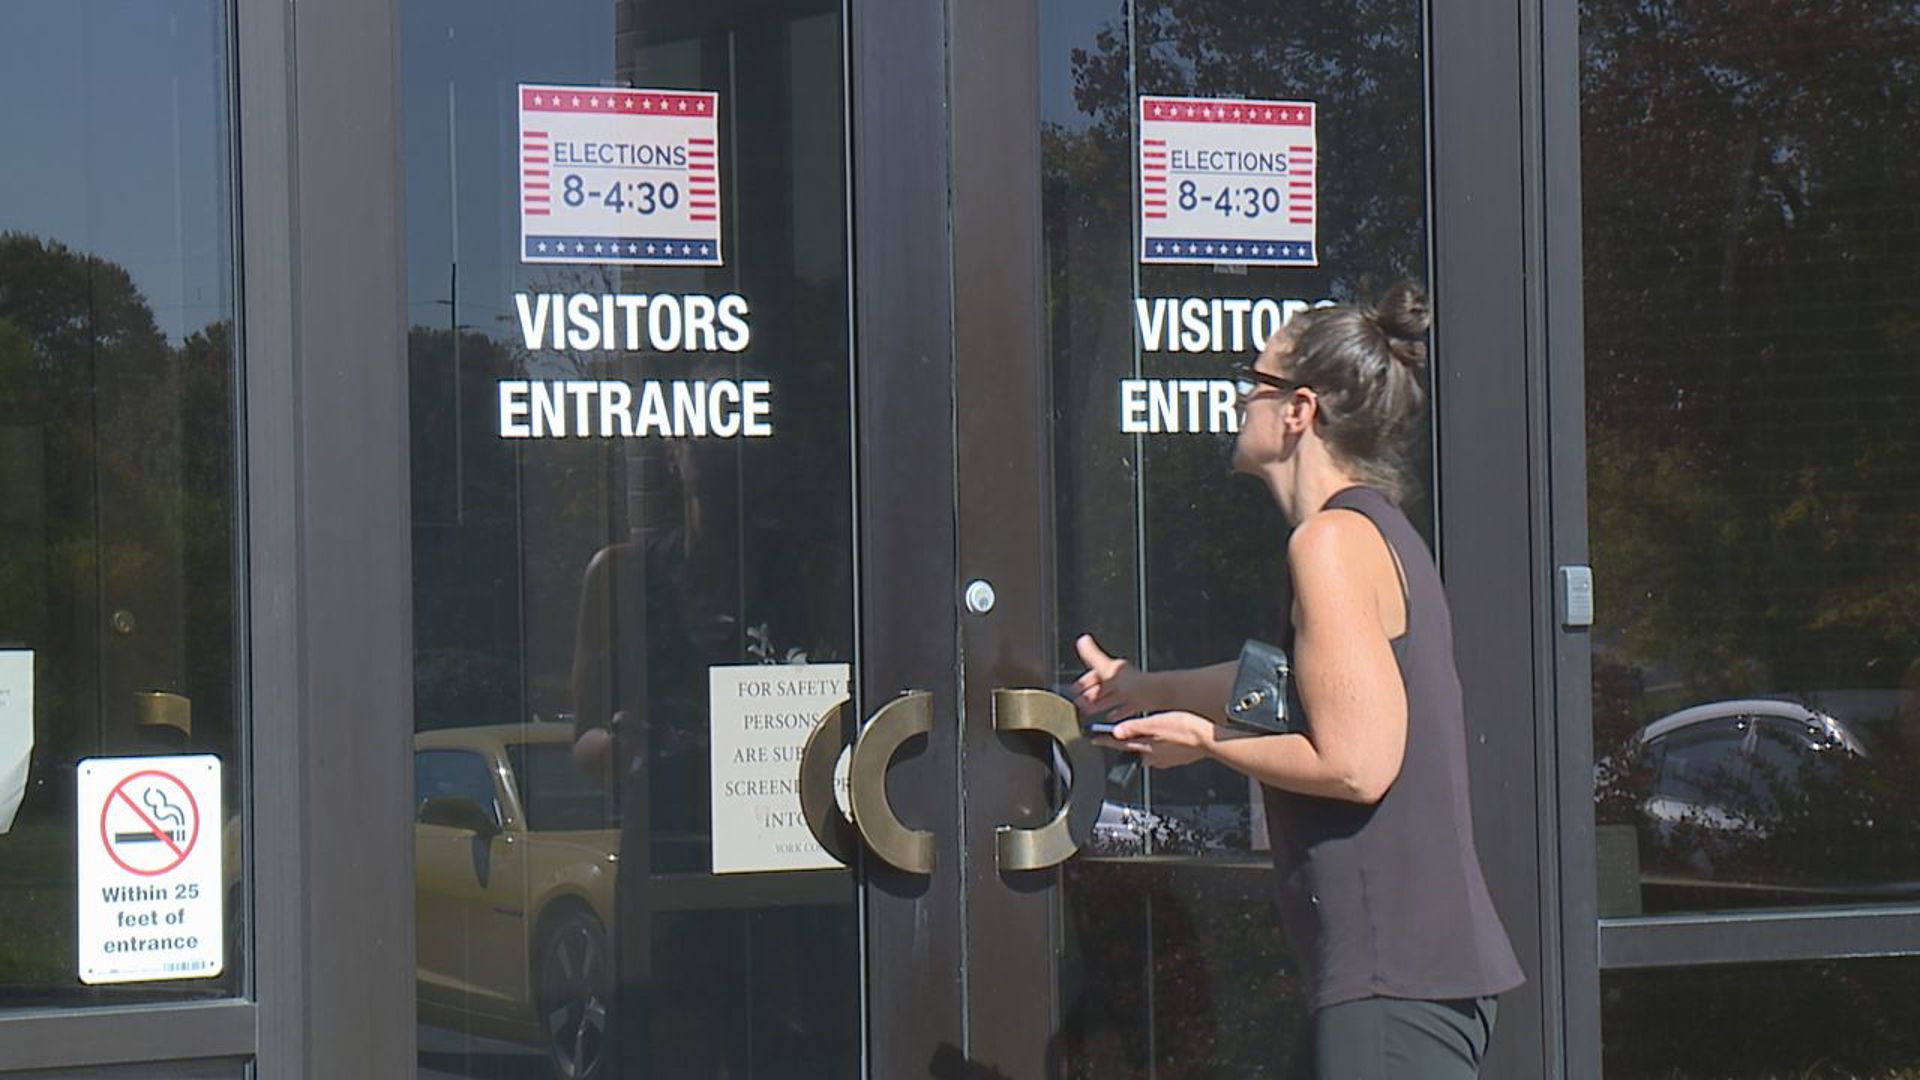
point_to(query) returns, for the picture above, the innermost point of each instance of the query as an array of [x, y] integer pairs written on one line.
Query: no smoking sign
[[149, 860], [150, 823]]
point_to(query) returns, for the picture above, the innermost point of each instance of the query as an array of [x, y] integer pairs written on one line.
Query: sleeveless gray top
[[1388, 900]]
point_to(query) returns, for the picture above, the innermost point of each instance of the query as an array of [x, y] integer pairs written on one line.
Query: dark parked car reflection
[[1762, 801]]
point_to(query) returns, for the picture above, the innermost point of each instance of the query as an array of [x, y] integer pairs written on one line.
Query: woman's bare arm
[[1349, 682]]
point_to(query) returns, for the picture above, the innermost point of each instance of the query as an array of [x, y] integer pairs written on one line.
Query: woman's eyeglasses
[[1247, 379]]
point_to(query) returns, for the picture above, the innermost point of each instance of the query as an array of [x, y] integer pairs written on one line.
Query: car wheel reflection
[[574, 977]]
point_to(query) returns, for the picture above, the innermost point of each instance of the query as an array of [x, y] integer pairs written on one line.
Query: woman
[[1381, 891]]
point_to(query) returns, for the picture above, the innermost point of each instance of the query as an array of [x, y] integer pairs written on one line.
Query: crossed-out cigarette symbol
[[162, 811], [149, 809]]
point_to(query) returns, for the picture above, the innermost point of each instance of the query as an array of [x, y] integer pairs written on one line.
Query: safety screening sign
[[619, 176], [150, 874], [1228, 181]]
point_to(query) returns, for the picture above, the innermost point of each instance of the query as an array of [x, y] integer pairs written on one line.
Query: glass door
[[633, 512], [1172, 960], [1108, 923], [1092, 421]]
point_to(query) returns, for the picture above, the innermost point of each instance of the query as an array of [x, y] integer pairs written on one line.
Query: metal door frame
[[1002, 381], [904, 424], [948, 316], [329, 548], [1490, 389]]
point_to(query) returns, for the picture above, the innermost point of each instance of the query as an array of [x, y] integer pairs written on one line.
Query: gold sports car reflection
[[515, 854]]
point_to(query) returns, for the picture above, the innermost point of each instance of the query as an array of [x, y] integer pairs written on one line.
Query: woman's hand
[[1110, 686], [1165, 740]]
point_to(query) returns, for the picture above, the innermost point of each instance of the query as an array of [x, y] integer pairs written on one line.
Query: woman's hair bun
[[1404, 318], [1367, 364]]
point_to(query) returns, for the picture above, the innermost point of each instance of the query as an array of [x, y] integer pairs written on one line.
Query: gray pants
[[1393, 1039]]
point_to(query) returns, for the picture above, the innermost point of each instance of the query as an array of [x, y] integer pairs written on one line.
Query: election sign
[[619, 176], [152, 897], [1227, 181]]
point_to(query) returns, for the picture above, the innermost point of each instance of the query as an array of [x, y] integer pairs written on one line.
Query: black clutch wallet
[[1263, 698]]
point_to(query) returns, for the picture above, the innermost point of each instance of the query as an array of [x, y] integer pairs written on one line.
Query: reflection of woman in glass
[[704, 579], [1381, 889], [656, 611]]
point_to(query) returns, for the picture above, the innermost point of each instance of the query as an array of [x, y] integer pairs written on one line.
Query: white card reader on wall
[[1576, 596]]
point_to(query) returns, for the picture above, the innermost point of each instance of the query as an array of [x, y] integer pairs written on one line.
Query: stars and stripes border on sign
[[1214, 111], [689, 103], [620, 249], [1267, 252]]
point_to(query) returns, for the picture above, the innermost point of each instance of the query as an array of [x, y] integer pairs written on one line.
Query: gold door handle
[[818, 763], [897, 721], [873, 818], [1056, 841], [157, 709]]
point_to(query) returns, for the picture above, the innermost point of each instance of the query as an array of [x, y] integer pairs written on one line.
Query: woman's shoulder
[[1372, 518], [1333, 546], [1332, 532]]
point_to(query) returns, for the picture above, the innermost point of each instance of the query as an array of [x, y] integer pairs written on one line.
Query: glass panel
[[586, 601], [1827, 1020], [1753, 503], [1175, 961], [117, 454]]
